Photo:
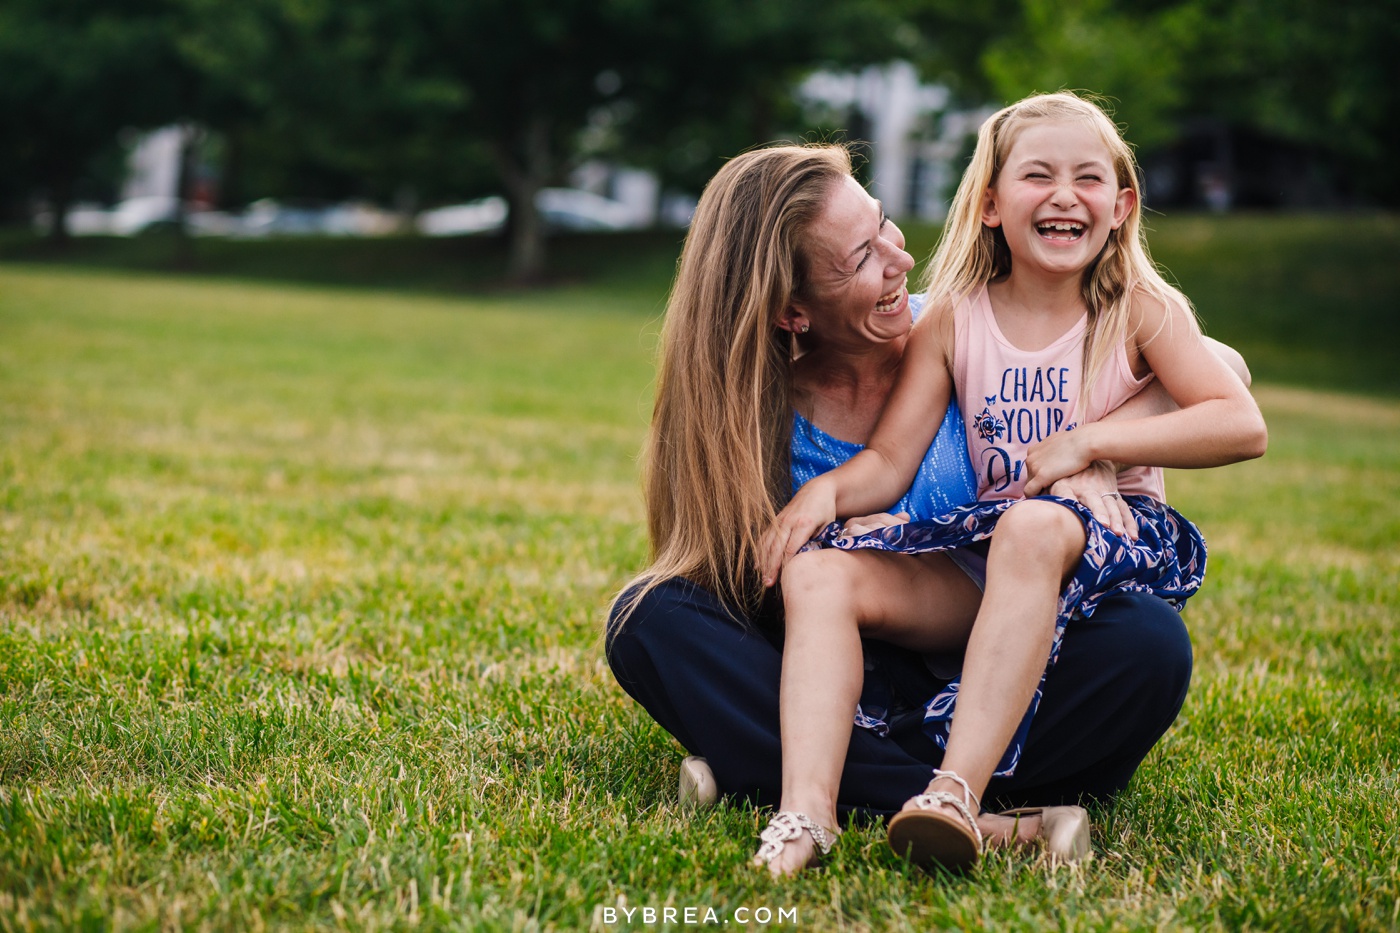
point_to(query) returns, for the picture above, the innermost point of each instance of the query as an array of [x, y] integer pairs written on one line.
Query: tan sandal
[[930, 836], [1064, 831], [697, 788], [786, 826]]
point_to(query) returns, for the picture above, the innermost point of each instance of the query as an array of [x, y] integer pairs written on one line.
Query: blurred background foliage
[[408, 102]]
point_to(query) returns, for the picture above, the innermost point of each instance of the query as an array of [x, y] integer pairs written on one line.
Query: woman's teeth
[[891, 301]]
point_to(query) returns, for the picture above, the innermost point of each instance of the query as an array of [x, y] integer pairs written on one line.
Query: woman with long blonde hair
[[784, 334]]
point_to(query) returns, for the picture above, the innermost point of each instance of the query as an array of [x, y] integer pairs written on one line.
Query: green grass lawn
[[301, 596]]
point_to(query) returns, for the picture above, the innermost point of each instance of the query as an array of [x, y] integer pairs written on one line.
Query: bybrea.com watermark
[[625, 915]]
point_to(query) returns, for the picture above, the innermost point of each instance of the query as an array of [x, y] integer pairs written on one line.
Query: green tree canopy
[[76, 72]]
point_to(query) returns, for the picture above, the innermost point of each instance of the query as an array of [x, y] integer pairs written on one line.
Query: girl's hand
[[1097, 488], [1062, 454], [859, 526], [811, 510]]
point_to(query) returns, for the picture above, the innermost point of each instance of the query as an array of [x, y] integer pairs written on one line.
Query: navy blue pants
[[712, 682]]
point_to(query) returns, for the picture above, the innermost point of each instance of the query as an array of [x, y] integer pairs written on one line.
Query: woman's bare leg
[[925, 603], [1035, 549]]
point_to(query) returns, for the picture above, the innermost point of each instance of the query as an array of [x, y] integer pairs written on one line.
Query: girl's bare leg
[[1035, 549], [924, 603]]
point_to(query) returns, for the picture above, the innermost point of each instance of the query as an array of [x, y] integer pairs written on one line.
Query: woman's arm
[[1215, 422], [875, 478], [1232, 358], [1094, 485], [1154, 399]]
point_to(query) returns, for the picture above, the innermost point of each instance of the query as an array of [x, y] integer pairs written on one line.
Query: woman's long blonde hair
[[970, 254], [716, 462]]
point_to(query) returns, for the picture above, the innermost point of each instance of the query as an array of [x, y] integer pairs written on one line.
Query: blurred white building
[[153, 165], [914, 134]]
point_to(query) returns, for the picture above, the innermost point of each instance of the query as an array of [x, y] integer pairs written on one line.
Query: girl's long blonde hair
[[716, 462], [970, 254]]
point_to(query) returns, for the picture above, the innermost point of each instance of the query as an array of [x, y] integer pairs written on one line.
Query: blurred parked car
[[266, 217], [561, 208], [486, 215], [138, 215], [573, 209], [128, 218]]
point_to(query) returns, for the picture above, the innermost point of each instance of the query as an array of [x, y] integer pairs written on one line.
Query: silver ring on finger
[[1110, 495]]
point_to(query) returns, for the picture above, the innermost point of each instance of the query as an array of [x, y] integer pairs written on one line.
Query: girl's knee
[[812, 572], [1035, 526]]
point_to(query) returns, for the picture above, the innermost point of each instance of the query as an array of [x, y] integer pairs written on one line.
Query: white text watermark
[[624, 915]]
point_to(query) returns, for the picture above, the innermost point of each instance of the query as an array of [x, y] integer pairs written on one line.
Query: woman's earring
[[804, 328]]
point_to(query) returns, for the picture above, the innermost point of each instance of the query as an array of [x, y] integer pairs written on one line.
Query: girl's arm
[[1217, 420], [875, 478]]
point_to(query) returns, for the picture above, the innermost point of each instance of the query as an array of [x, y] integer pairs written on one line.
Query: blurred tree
[[704, 80], [671, 85], [1323, 74], [326, 99], [1132, 56], [950, 37], [522, 75], [76, 72]]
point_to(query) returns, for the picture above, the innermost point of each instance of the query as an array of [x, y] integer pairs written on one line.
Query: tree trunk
[[60, 201], [525, 170], [184, 184], [527, 244], [231, 183]]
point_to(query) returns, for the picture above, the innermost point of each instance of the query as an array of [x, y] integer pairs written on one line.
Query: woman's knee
[[661, 618], [1149, 639], [1164, 644]]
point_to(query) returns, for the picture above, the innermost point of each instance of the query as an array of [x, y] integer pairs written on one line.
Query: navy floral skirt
[[1167, 560]]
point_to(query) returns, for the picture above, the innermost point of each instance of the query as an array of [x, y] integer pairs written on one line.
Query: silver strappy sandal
[[784, 827], [930, 836]]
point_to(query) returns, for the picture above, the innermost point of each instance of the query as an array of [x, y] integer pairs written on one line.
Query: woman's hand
[[1096, 487], [1060, 455], [811, 510], [866, 523]]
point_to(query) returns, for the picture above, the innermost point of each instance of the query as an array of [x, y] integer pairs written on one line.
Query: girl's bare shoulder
[[1152, 309]]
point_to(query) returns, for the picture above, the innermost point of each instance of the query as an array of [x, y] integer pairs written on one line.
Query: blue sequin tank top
[[945, 479]]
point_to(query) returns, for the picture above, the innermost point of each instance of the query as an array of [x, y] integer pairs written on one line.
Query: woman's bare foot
[[791, 842], [999, 831], [796, 855]]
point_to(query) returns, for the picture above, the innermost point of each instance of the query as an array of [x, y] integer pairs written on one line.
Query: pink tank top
[[1012, 398]]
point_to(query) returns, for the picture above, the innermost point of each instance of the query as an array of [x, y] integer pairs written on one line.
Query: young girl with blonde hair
[[1045, 312]]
